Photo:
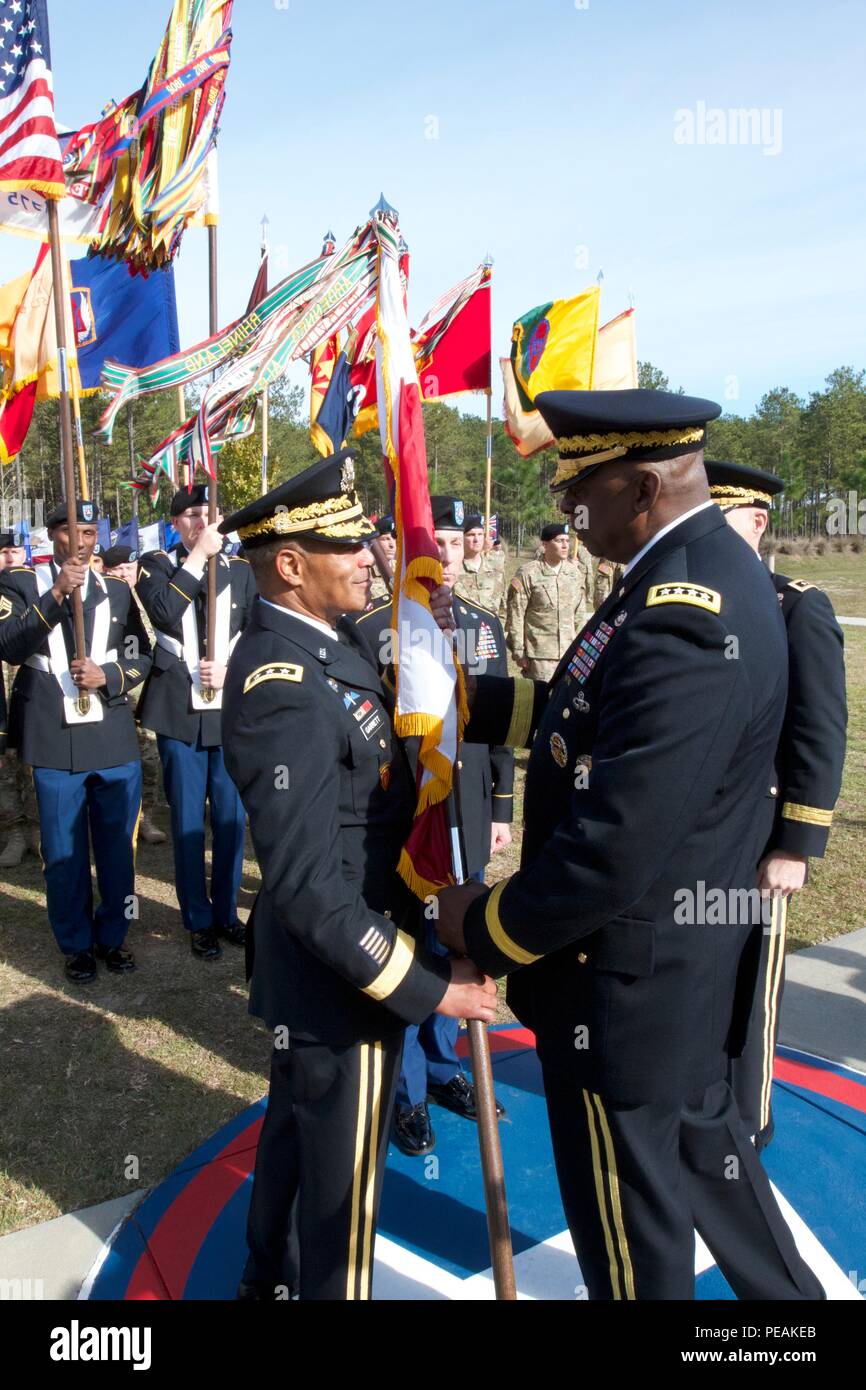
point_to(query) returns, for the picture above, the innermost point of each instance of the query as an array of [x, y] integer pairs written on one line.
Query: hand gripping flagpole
[[492, 1167]]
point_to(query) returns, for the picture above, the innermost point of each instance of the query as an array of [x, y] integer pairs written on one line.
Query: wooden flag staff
[[59, 281], [210, 644], [492, 1168]]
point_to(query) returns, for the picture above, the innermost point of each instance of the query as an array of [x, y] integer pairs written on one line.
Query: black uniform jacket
[[166, 589], [812, 747], [487, 772], [650, 784], [308, 742], [36, 723]]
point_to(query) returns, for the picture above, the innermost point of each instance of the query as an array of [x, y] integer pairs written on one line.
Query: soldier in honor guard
[[431, 1069], [808, 775], [182, 705], [70, 720], [337, 966], [607, 575], [480, 580], [548, 602], [647, 782], [18, 815], [387, 536]]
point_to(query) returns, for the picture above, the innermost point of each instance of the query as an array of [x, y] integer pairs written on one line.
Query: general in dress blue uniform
[[70, 720], [648, 796]]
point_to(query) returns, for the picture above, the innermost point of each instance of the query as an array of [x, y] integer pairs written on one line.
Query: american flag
[[29, 149]]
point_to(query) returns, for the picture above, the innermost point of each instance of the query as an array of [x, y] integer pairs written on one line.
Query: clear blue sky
[[556, 132]]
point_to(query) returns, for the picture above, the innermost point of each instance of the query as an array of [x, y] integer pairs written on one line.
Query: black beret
[[449, 513], [473, 522], [554, 529], [593, 427], [386, 526], [10, 538], [86, 512], [737, 485], [118, 555], [318, 504], [195, 496]]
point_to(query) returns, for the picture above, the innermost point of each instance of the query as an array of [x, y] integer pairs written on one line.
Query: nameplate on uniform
[[694, 594], [274, 671], [369, 718]]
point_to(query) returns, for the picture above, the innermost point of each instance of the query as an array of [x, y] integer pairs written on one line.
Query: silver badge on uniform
[[581, 704], [620, 618]]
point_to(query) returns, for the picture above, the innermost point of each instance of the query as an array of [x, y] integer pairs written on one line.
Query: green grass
[[145, 1067]]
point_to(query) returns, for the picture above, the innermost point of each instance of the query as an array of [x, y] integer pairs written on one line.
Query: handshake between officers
[[334, 942]]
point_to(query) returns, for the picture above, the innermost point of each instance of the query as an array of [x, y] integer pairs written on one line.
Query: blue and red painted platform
[[186, 1239]]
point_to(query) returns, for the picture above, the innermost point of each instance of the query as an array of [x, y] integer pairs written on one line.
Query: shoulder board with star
[[274, 671], [681, 591]]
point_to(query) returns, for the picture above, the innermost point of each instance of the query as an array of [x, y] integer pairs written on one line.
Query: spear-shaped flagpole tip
[[329, 243], [488, 261], [384, 209], [265, 223]]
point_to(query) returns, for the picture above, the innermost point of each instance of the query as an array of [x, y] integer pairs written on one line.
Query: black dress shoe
[[205, 945], [235, 932], [81, 966], [413, 1132], [459, 1096], [117, 959]]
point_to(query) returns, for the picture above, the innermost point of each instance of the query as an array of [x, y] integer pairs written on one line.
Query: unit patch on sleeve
[[683, 592]]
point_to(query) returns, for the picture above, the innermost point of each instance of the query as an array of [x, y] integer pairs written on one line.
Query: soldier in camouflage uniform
[[122, 563], [607, 575], [387, 538], [19, 818], [481, 579], [548, 602]]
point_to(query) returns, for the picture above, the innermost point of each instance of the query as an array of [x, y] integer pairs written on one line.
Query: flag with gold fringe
[[431, 701]]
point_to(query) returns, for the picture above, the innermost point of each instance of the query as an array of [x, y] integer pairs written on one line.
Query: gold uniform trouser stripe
[[521, 713], [359, 1263], [775, 967], [607, 1189], [497, 933], [808, 815], [366, 1284], [600, 1195], [360, 1125]]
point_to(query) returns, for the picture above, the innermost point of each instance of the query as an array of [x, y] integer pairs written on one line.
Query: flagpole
[[265, 393], [75, 386], [210, 646], [488, 477], [58, 280], [492, 1167]]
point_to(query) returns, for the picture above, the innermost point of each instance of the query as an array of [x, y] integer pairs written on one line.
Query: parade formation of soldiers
[[656, 761]]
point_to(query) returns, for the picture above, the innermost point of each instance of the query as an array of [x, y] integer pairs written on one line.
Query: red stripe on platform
[[509, 1040], [178, 1236], [825, 1083]]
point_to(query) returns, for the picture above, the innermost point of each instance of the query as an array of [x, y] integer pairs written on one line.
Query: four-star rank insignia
[[681, 591]]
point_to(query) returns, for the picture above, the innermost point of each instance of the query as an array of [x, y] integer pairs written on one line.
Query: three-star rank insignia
[[273, 671], [683, 592]]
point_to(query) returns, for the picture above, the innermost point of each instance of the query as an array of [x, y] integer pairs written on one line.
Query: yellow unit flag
[[616, 355], [553, 346]]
